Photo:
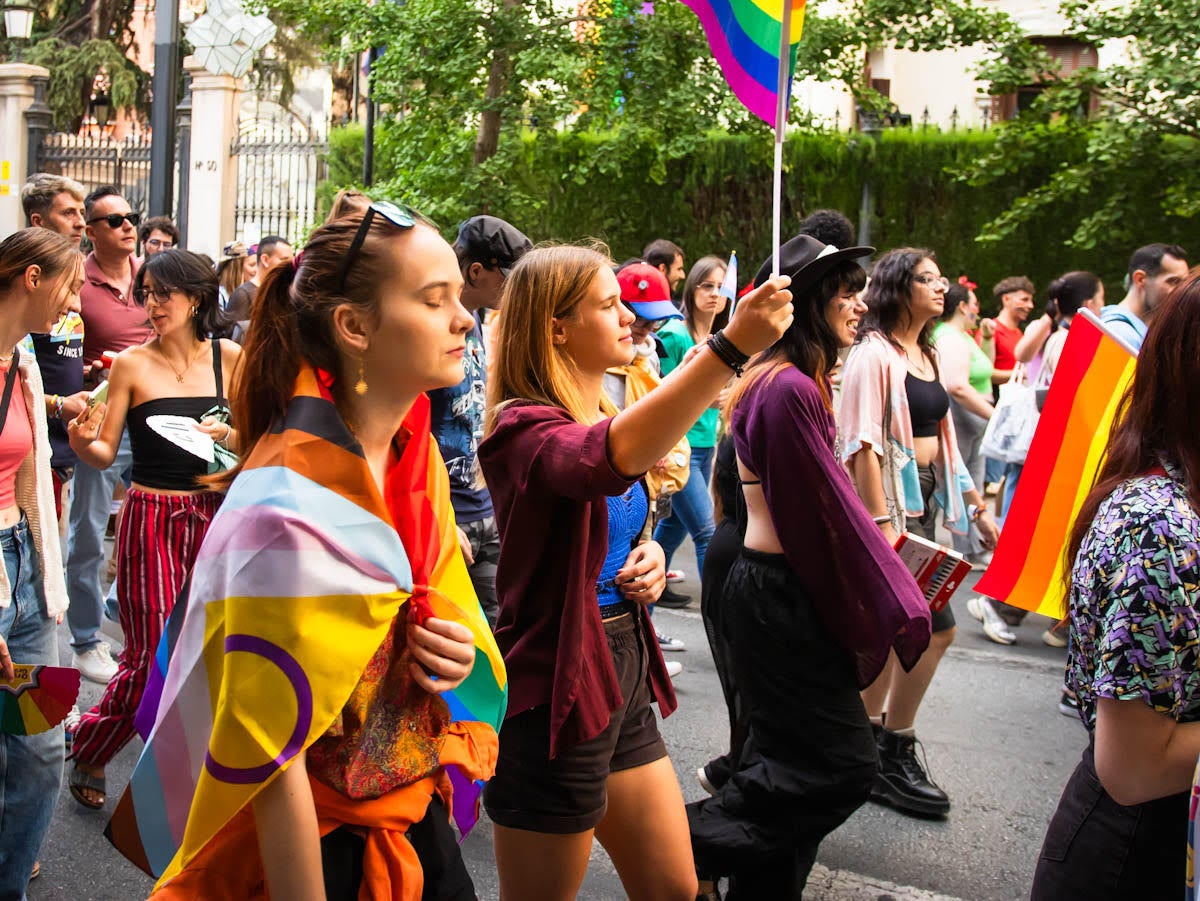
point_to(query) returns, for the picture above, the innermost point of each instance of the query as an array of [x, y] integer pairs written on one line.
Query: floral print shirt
[[1135, 626]]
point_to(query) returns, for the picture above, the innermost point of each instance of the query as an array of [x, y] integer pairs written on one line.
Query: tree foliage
[[73, 68], [1134, 126], [641, 70]]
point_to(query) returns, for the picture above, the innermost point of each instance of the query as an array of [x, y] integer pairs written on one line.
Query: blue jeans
[[993, 470], [1012, 474], [691, 511], [91, 502], [31, 766]]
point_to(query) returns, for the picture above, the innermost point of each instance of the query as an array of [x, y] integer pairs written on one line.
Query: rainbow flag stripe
[[744, 37], [303, 571], [1093, 372]]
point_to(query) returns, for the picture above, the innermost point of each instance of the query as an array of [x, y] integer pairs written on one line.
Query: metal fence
[[95, 160], [279, 165]]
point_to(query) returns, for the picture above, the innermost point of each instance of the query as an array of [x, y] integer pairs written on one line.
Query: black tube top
[[928, 404], [157, 461]]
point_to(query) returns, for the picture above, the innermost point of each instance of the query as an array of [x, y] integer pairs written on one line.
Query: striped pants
[[157, 543]]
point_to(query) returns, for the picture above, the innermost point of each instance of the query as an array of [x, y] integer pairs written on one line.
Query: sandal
[[83, 781], [37, 870]]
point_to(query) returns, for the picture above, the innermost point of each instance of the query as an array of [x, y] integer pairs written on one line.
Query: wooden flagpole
[[781, 107]]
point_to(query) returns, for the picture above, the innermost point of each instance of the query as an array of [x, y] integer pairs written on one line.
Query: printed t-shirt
[[457, 420], [1135, 587]]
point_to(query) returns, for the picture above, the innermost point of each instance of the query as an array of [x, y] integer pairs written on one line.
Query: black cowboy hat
[[807, 260]]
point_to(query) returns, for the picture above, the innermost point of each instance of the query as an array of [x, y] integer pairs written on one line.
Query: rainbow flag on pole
[[1092, 375], [745, 37], [304, 572]]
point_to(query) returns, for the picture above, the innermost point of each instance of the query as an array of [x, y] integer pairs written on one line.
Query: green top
[[980, 374], [677, 341]]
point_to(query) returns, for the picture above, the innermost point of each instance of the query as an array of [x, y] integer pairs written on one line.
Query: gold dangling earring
[[360, 387]]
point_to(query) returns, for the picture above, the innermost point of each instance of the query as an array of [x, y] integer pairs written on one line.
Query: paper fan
[[37, 699]]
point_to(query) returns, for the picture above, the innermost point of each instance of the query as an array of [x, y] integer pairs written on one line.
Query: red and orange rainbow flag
[[1092, 374]]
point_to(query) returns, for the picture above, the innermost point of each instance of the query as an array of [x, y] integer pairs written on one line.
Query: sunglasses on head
[[400, 216], [114, 220]]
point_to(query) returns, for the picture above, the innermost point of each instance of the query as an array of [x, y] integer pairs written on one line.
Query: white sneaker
[[1054, 639], [667, 643], [96, 663], [71, 723], [676, 575], [995, 628], [673, 668]]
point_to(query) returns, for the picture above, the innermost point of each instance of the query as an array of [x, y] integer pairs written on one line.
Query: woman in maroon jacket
[[580, 752]]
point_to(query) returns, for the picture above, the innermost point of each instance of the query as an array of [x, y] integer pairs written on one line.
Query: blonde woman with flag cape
[[332, 694]]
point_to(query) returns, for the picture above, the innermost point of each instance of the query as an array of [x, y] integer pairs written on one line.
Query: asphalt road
[[992, 734]]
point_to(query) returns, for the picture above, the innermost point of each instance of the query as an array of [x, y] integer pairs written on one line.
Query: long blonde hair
[[547, 283]]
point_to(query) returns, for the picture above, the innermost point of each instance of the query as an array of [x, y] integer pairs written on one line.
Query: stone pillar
[[16, 96], [212, 187]]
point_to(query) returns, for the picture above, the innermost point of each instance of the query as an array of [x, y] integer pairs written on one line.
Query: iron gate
[[279, 166], [94, 160]]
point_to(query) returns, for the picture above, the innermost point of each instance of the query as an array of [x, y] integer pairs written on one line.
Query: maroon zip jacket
[[549, 477]]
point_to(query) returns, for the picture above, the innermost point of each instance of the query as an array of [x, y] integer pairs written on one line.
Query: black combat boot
[[902, 781]]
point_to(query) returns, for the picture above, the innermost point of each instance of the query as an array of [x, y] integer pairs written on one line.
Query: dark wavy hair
[[1156, 418], [191, 274], [809, 343], [889, 297]]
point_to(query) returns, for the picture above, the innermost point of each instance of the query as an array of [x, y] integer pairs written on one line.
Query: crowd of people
[[588, 418]]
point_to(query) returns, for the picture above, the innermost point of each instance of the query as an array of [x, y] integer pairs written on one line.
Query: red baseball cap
[[645, 290]]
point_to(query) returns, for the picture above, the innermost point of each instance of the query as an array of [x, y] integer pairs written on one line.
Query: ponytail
[[1070, 292]]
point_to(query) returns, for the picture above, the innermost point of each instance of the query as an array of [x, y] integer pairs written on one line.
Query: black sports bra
[[157, 461], [928, 404]]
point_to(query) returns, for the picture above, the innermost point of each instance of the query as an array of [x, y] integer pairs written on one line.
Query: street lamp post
[[101, 111], [18, 24], [164, 88]]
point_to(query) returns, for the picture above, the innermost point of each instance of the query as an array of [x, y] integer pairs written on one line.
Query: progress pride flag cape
[[303, 571]]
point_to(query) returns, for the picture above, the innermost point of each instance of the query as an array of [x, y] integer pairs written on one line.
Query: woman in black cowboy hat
[[812, 607]]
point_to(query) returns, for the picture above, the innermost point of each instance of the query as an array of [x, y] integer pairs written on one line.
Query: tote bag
[[1010, 430]]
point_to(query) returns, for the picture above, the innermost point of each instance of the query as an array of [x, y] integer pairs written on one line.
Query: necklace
[[178, 374]]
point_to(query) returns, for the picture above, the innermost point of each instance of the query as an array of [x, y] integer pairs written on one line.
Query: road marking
[[842, 885]]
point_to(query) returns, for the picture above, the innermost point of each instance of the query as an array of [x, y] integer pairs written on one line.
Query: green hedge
[[570, 186]]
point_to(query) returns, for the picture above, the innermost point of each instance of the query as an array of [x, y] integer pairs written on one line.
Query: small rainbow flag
[[304, 572], [1092, 374], [745, 39], [37, 699]]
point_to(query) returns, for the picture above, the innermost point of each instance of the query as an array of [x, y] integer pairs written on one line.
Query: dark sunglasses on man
[[398, 215], [114, 220]]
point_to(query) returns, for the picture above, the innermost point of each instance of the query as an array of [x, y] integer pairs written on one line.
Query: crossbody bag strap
[[9, 383], [216, 349]]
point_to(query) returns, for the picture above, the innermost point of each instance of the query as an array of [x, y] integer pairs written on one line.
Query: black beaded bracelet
[[728, 353]]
